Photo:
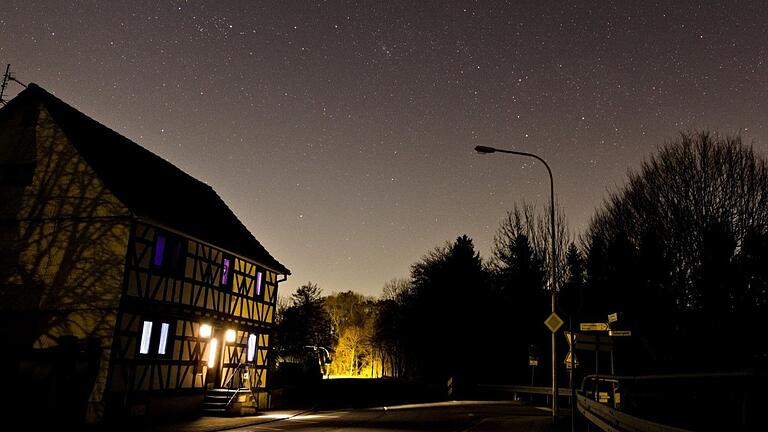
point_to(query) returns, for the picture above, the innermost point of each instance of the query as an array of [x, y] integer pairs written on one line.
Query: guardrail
[[723, 401], [525, 389], [611, 420], [697, 401]]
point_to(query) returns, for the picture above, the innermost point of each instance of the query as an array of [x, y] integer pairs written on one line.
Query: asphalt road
[[444, 416]]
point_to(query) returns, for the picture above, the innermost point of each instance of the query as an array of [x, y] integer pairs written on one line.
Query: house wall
[[186, 295], [63, 239]]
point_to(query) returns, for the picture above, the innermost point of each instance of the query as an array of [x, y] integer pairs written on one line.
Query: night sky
[[341, 132]]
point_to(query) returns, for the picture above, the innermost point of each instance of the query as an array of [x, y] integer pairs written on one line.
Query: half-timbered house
[[127, 287]]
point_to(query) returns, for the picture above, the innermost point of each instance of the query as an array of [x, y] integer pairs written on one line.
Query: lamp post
[[486, 150]]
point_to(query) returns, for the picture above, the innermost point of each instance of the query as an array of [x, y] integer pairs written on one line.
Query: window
[[251, 346], [163, 338], [258, 283], [169, 254], [16, 174], [226, 271], [159, 250], [154, 340], [146, 337]]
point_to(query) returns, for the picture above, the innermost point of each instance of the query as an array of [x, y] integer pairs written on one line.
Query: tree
[[440, 320], [305, 321], [525, 220], [352, 316], [676, 240], [522, 256]]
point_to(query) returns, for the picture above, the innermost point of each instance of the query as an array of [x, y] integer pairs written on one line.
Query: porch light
[[230, 336], [205, 330]]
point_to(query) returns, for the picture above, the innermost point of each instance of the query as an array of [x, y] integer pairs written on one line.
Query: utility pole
[[5, 82], [8, 76]]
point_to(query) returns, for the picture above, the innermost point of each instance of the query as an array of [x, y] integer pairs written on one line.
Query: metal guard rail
[[612, 420]]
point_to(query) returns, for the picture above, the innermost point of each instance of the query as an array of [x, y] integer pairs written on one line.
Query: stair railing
[[231, 379]]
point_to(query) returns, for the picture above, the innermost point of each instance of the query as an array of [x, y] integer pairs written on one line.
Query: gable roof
[[151, 187]]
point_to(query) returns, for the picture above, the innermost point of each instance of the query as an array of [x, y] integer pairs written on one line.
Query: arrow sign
[[593, 327]]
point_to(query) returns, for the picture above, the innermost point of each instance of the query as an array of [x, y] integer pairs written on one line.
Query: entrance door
[[215, 361]]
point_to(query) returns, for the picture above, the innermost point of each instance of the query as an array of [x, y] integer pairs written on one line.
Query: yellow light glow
[[230, 335], [205, 330], [212, 351]]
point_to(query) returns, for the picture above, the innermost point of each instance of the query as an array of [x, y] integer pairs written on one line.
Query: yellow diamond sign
[[553, 322]]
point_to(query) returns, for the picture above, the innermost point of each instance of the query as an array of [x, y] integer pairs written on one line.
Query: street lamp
[[486, 150]]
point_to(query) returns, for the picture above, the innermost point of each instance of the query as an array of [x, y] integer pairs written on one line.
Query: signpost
[[600, 343], [593, 343], [571, 361]]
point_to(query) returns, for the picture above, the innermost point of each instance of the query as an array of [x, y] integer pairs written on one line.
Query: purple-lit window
[[159, 250], [258, 283], [225, 271]]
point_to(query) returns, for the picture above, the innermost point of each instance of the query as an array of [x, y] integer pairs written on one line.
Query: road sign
[[553, 323], [585, 342], [612, 318], [593, 327], [568, 337], [532, 361], [619, 333], [571, 358]]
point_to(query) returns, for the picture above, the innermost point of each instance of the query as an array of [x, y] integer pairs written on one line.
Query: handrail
[[230, 380]]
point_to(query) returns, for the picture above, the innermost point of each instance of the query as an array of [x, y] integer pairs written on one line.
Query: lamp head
[[484, 149]]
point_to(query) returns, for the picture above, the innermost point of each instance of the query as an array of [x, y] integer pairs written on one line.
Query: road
[[475, 416]]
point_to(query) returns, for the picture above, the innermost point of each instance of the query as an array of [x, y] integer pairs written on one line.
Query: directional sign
[[619, 333], [586, 342], [553, 322], [593, 327], [612, 318]]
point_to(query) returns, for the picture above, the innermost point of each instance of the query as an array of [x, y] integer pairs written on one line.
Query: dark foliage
[[304, 322], [681, 252]]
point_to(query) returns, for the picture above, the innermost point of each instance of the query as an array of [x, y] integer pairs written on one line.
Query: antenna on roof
[[8, 76]]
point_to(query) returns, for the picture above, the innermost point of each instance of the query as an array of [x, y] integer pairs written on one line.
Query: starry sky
[[341, 132]]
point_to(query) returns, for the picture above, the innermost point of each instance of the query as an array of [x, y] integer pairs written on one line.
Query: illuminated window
[[159, 250], [163, 338], [225, 271], [169, 254], [258, 283], [251, 346], [154, 339], [146, 337], [212, 352]]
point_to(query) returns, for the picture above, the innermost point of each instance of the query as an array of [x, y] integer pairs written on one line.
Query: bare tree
[[525, 219]]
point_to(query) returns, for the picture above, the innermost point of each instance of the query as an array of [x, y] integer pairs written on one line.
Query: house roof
[[151, 187]]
